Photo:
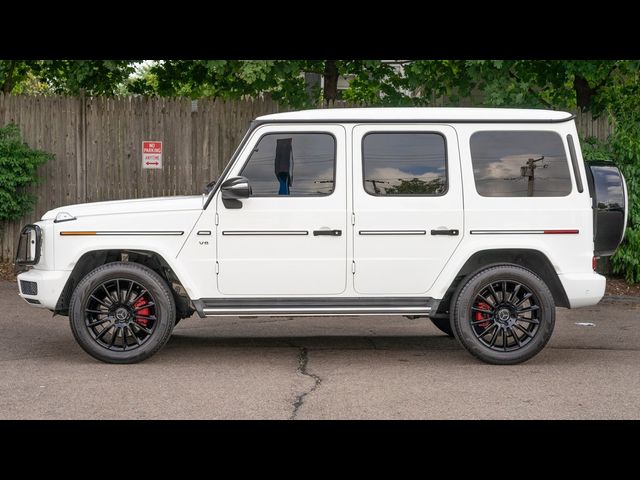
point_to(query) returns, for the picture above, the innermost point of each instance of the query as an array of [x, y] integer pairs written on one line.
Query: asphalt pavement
[[377, 367]]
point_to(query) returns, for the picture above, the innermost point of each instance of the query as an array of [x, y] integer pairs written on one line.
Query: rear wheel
[[504, 315], [122, 312]]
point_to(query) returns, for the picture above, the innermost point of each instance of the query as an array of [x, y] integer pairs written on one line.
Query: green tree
[[227, 79], [69, 77], [371, 81], [527, 83], [94, 77], [12, 73]]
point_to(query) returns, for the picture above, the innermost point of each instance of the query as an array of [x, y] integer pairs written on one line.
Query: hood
[[139, 205]]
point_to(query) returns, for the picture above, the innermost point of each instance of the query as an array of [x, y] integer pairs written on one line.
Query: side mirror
[[233, 190]]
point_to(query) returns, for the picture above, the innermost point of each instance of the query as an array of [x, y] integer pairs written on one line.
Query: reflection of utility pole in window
[[528, 171], [375, 185]]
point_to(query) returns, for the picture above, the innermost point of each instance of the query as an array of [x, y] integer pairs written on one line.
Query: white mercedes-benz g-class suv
[[483, 220]]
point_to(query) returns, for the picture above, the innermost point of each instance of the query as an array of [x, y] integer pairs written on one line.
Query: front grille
[[28, 288]]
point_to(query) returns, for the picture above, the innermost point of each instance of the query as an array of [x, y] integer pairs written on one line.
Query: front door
[[289, 238], [407, 197]]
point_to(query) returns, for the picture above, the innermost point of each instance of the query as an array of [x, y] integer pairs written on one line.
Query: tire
[[122, 312], [491, 325], [444, 325]]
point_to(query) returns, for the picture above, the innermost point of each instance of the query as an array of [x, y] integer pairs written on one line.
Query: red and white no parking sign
[[151, 154]]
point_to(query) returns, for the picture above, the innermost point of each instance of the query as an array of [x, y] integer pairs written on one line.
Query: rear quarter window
[[520, 164]]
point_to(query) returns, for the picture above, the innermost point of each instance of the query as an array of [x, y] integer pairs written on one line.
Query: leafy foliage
[[562, 84], [94, 77], [68, 77], [371, 81], [226, 79], [593, 149], [12, 73], [18, 164]]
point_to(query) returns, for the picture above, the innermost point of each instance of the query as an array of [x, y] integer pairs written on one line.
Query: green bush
[[593, 149], [18, 166], [626, 260], [624, 145]]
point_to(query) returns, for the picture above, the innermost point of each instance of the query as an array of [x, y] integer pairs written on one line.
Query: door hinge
[[353, 267], [217, 268], [217, 218], [353, 218]]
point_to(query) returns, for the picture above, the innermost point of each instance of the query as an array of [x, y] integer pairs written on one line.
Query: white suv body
[[350, 211]]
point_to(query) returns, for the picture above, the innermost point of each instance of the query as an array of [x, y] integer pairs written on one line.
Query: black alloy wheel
[[504, 314], [122, 312]]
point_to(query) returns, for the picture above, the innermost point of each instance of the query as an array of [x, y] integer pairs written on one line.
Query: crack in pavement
[[303, 361]]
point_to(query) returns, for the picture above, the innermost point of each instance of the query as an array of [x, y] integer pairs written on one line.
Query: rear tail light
[[594, 262]]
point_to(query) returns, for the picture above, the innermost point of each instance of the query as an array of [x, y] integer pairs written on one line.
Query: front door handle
[[332, 233], [453, 232]]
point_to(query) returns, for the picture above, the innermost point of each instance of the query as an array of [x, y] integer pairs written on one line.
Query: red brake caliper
[[143, 312], [482, 316]]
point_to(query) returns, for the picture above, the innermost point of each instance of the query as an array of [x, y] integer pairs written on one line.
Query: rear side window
[[404, 164], [292, 164], [520, 164]]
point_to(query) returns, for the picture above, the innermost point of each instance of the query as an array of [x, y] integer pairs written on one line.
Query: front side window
[[292, 164], [396, 164], [520, 164]]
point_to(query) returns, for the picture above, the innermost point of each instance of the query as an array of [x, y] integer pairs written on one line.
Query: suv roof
[[414, 114]]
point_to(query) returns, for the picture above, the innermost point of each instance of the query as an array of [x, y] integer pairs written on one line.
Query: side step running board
[[210, 307]]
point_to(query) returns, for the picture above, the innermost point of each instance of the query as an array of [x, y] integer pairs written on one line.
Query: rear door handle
[[332, 233], [452, 232]]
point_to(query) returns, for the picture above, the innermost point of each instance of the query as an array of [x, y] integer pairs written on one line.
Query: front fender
[[162, 233]]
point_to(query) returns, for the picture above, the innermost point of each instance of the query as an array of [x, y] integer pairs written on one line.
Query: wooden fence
[[97, 144]]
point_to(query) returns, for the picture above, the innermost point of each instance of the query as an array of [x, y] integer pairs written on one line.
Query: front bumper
[[50, 284], [583, 289]]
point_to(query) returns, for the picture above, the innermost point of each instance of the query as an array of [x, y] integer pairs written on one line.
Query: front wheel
[[504, 315], [122, 312]]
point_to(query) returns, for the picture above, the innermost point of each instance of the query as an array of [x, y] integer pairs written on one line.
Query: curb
[[622, 298]]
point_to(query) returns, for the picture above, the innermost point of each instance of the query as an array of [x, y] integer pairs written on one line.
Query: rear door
[[407, 198]]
